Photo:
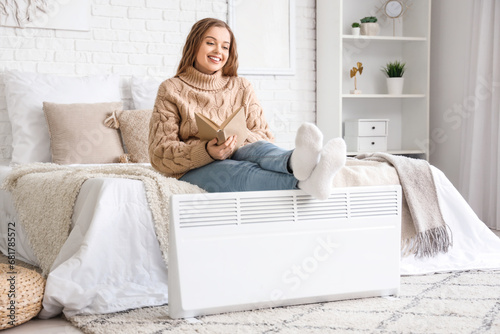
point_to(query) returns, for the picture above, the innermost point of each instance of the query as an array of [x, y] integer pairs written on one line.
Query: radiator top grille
[[298, 207]]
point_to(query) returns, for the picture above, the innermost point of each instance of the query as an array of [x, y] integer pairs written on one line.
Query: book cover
[[235, 124]]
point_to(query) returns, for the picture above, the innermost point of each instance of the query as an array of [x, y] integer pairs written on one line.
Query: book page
[[235, 124]]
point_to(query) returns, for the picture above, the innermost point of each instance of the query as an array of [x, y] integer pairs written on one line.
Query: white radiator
[[248, 250]]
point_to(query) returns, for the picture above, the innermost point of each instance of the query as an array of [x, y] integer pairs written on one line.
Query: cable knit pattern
[[174, 148]]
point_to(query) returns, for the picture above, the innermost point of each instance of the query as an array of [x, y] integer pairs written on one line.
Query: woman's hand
[[222, 151]]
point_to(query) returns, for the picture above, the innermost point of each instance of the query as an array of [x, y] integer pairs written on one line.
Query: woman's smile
[[214, 50]]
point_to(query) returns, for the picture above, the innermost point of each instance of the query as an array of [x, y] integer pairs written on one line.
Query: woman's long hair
[[193, 42]]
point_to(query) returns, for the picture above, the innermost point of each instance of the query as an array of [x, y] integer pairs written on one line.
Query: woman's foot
[[308, 143], [333, 158]]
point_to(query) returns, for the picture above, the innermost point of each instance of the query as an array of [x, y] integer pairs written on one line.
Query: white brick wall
[[145, 37]]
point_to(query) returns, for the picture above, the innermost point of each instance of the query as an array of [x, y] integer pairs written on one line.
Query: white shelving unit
[[408, 40]]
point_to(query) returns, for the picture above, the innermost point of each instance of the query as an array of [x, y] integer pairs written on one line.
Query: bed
[[112, 258], [96, 271]]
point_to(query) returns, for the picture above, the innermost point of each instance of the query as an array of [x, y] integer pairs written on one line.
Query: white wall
[[450, 36], [145, 37]]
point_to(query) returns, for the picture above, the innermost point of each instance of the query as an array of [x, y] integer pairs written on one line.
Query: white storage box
[[366, 135], [247, 250]]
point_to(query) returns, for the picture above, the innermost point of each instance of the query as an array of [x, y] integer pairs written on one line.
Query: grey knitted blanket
[[432, 235]]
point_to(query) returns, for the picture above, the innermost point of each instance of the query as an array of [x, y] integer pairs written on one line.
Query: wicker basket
[[28, 286]]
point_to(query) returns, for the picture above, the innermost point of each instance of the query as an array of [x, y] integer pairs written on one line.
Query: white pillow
[[25, 94], [144, 90]]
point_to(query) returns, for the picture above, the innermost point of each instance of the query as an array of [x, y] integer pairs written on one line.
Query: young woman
[[207, 82]]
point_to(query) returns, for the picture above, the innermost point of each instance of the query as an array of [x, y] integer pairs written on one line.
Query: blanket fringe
[[428, 243]]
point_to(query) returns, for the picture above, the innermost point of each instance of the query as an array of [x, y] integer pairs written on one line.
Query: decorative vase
[[395, 85], [355, 31], [370, 29]]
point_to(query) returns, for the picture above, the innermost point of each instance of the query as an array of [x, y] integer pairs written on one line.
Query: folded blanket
[[430, 233], [44, 195]]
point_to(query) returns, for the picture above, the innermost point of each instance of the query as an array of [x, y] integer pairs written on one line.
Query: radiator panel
[[247, 250]]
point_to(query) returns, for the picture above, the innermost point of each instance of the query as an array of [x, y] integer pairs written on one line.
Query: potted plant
[[353, 72], [394, 72], [355, 28], [369, 26]]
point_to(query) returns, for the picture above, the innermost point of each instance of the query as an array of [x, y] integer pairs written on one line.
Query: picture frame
[[265, 34], [56, 14]]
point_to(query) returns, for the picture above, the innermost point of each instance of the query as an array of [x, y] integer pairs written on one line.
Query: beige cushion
[[78, 136], [134, 127]]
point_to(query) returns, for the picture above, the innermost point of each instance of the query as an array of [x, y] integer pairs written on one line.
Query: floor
[[59, 325], [51, 326]]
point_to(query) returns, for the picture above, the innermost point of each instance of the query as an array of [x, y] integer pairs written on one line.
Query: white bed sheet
[[112, 260]]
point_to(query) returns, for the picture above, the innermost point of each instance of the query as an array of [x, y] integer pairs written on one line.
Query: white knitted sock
[[308, 142], [333, 157]]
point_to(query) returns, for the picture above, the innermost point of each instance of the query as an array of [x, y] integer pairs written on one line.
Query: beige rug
[[463, 302]]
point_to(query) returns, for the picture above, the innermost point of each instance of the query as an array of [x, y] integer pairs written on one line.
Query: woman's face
[[214, 50]]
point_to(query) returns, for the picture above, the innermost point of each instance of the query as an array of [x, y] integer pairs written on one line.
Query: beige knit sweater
[[174, 148]]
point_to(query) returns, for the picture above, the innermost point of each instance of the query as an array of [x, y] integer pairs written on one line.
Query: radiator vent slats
[[369, 204], [267, 209], [335, 207], [288, 209], [208, 212]]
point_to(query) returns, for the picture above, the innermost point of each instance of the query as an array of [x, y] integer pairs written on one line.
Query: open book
[[235, 124]]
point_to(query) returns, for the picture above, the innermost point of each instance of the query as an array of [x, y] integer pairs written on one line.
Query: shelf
[[384, 38], [337, 51], [394, 152], [382, 96]]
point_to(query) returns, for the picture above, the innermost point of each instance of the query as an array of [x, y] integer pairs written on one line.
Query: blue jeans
[[257, 166]]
